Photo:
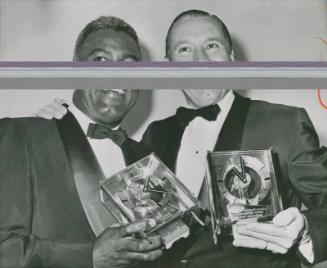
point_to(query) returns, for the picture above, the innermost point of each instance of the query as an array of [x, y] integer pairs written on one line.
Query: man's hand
[[277, 236], [117, 247], [53, 110]]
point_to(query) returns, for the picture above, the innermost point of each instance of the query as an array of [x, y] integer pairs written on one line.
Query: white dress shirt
[[108, 154], [200, 136]]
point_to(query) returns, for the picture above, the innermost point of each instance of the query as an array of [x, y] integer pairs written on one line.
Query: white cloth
[[200, 136], [108, 154], [305, 244], [306, 249]]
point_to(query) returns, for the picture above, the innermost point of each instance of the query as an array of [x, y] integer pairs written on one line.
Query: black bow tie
[[95, 131], [185, 115]]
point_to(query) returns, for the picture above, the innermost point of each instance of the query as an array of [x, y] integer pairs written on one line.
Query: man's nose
[[201, 55]]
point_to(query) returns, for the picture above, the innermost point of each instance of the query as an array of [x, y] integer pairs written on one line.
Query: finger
[[44, 114], [264, 228], [286, 217], [249, 243], [139, 226], [148, 256], [115, 225], [52, 110], [291, 231], [276, 248], [284, 242], [127, 230], [60, 101], [142, 245], [259, 244], [59, 107]]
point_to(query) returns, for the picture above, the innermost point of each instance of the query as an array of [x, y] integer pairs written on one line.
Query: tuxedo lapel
[[86, 172], [133, 151], [172, 143], [231, 134]]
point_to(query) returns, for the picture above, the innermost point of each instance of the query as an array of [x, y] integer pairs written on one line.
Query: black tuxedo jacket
[[300, 164], [42, 221]]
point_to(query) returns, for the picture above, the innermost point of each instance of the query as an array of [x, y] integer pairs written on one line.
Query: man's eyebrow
[[217, 39], [97, 50], [130, 56]]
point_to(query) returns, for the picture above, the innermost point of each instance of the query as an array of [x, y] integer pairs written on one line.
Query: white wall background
[[268, 30], [46, 30]]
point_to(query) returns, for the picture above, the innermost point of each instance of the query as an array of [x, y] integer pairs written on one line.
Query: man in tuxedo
[[228, 121], [220, 120], [50, 209]]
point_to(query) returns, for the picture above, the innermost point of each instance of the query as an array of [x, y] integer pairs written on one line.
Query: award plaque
[[242, 187], [148, 189]]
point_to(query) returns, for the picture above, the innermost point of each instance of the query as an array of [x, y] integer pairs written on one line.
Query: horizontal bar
[[164, 83], [163, 75], [163, 64]]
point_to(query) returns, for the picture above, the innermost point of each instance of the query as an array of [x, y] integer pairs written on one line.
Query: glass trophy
[[148, 189], [242, 187]]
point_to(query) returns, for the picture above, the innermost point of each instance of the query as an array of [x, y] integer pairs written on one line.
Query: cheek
[[209, 95], [178, 57], [107, 104], [219, 56]]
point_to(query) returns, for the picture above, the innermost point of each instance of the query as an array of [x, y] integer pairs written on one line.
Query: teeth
[[119, 91]]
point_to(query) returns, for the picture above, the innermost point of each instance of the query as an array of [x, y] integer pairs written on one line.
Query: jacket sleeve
[[307, 163], [308, 174], [19, 247], [317, 221]]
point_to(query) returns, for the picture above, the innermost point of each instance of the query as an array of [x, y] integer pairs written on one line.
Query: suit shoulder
[[163, 123], [24, 125], [265, 107]]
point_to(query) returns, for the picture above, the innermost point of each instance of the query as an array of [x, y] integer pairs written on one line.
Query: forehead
[[196, 28], [107, 41]]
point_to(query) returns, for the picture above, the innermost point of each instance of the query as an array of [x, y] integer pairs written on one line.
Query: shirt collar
[[226, 103]]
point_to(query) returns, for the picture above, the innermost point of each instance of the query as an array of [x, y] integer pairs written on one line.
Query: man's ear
[[232, 57]]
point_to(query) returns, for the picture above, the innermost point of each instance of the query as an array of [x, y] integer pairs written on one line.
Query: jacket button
[[183, 262]]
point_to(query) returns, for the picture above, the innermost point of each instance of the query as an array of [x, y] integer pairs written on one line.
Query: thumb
[[286, 217], [137, 226], [60, 101]]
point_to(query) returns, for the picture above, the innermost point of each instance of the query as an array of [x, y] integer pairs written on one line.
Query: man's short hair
[[102, 23], [199, 13]]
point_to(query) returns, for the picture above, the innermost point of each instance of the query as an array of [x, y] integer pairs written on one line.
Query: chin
[[205, 97], [112, 121], [207, 102]]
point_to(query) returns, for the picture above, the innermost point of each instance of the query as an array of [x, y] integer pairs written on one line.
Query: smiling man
[[220, 120], [50, 209]]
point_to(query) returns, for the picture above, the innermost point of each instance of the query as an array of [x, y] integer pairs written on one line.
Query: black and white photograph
[[65, 152]]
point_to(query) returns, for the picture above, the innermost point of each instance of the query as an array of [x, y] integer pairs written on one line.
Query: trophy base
[[173, 232]]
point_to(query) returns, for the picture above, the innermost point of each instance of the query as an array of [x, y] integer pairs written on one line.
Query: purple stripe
[[158, 64]]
